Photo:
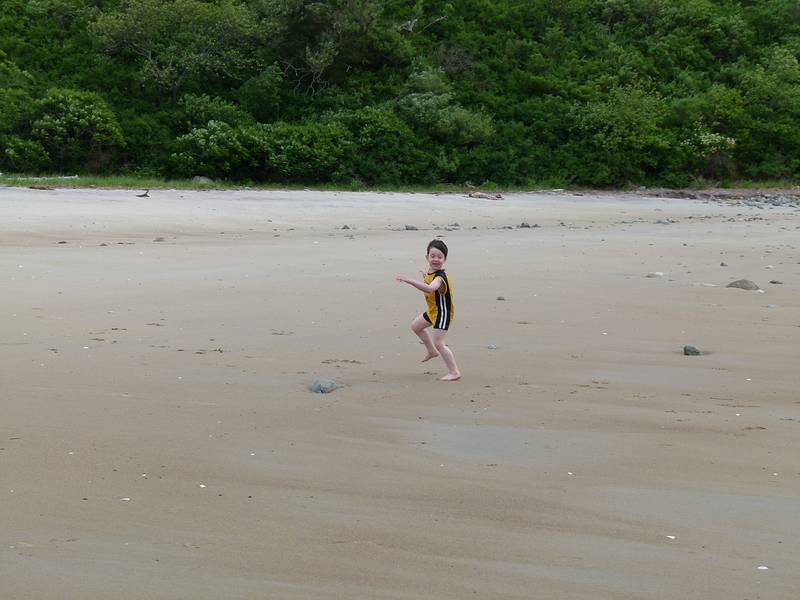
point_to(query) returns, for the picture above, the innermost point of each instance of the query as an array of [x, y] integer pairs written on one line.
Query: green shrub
[[261, 95], [429, 105], [21, 155], [290, 152], [11, 76], [199, 110], [384, 148], [276, 152], [215, 150], [149, 137], [621, 137], [771, 97], [16, 111], [77, 129]]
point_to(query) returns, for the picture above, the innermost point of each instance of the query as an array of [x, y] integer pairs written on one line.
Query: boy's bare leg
[[447, 356], [418, 326]]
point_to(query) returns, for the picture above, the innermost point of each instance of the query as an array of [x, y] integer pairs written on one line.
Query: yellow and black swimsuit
[[440, 302]]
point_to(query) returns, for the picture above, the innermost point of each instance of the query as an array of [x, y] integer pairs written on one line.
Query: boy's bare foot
[[451, 377], [429, 356]]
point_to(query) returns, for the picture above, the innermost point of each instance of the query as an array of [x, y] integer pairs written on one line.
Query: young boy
[[439, 296]]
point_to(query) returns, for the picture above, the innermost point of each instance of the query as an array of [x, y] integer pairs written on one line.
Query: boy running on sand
[[439, 296]]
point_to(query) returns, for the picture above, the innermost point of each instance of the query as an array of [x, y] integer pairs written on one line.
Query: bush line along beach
[[570, 93]]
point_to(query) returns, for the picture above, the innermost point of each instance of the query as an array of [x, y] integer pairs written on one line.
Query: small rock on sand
[[655, 274], [486, 196], [691, 351], [743, 284], [324, 386]]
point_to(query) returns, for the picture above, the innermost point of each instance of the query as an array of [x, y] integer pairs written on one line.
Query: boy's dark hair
[[439, 245]]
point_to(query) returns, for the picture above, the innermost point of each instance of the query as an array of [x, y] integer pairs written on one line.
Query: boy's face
[[435, 259]]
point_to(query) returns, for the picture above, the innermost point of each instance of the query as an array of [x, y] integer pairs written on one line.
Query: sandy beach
[[159, 439]]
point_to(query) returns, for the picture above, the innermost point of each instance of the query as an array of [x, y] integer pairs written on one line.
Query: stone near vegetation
[[743, 284], [691, 351], [772, 200], [486, 196], [324, 386], [202, 179]]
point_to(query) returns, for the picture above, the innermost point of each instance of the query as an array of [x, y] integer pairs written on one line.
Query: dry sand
[[159, 439]]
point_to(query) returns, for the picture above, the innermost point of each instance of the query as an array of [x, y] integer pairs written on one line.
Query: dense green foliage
[[581, 92]]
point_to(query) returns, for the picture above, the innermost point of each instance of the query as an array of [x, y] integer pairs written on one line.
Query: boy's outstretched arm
[[421, 285]]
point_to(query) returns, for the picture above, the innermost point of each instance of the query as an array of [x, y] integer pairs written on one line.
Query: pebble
[[501, 298], [743, 284], [411, 228], [776, 282], [691, 351], [491, 347], [324, 386], [655, 274]]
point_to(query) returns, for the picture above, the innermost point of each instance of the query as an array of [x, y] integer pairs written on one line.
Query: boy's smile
[[435, 259]]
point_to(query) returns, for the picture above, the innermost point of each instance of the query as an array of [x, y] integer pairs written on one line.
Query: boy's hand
[[402, 279]]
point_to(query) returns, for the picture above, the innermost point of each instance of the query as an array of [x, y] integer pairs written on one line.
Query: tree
[[11, 76], [322, 42], [179, 44]]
